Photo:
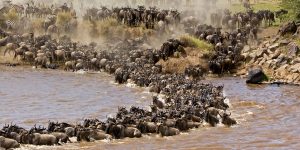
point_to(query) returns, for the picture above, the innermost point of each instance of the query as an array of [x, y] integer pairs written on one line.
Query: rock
[[284, 42], [269, 51], [265, 56], [258, 60], [262, 61], [252, 61], [261, 52], [291, 78], [293, 49], [297, 80], [282, 68], [275, 54], [246, 49], [295, 61], [275, 39], [252, 55], [256, 75], [282, 71], [295, 68], [295, 76], [281, 58], [283, 63], [268, 63], [241, 72], [274, 46], [266, 42]]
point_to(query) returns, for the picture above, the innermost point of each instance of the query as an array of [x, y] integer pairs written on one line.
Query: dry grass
[[105, 27], [178, 65], [11, 15], [63, 18], [107, 23], [111, 28], [37, 25], [191, 41]]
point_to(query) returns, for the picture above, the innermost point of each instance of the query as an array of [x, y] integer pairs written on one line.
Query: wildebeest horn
[[220, 114], [229, 114]]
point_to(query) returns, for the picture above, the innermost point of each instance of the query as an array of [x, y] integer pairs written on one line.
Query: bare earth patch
[[177, 65]]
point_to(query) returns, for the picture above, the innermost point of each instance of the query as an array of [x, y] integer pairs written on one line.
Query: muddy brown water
[[268, 115]]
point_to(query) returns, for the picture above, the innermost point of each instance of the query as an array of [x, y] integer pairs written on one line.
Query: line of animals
[[50, 53], [225, 18], [28, 16], [135, 16], [185, 103], [38, 11]]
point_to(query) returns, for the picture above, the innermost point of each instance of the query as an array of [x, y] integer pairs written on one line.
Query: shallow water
[[268, 115]]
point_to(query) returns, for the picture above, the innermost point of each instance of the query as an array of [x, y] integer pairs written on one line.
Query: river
[[268, 115]]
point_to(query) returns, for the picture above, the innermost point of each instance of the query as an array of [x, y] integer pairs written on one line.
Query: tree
[[293, 7]]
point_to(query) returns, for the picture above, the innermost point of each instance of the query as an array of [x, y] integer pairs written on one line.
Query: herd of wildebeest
[[183, 102], [135, 17]]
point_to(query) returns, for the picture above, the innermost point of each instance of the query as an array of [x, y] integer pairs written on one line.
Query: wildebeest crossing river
[[268, 115]]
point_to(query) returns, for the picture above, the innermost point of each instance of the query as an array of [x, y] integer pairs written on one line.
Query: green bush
[[293, 6], [196, 43]]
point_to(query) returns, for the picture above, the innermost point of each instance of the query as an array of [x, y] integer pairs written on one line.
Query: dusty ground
[[178, 64], [268, 32]]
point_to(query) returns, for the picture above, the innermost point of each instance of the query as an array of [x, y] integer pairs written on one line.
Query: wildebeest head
[[182, 124], [116, 130], [51, 126]]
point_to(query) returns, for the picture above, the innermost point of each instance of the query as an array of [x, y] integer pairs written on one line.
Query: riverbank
[[279, 57]]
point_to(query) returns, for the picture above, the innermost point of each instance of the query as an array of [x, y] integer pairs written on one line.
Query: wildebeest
[[8, 143], [147, 127], [41, 61], [99, 135], [41, 139], [280, 14], [62, 137], [167, 131]]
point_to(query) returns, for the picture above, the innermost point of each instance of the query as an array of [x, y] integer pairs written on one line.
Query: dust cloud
[[203, 6], [198, 9]]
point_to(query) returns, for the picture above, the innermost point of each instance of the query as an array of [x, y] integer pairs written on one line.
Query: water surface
[[268, 115]]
